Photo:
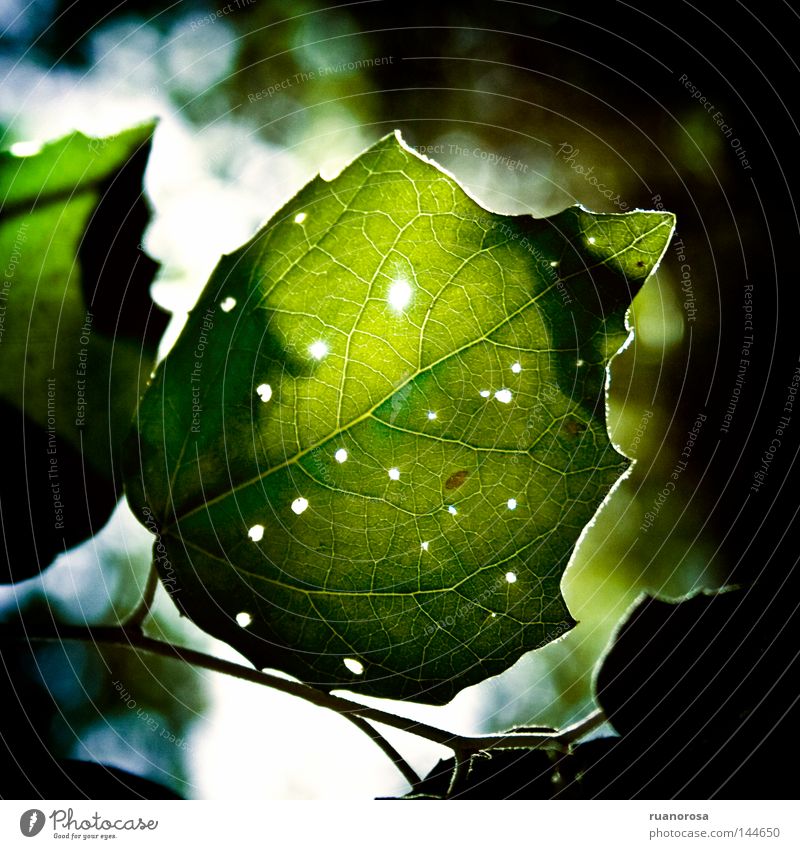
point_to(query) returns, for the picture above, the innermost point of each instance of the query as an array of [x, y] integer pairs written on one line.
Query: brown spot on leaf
[[456, 479], [573, 427]]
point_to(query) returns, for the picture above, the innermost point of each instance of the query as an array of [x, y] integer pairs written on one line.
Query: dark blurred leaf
[[502, 774], [702, 691], [688, 669], [78, 335], [71, 779], [66, 699]]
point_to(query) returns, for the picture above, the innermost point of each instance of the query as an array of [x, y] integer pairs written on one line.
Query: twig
[[142, 610], [409, 773], [133, 638], [461, 767]]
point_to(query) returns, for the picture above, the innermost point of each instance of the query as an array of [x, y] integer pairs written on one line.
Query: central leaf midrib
[[359, 419], [363, 416]]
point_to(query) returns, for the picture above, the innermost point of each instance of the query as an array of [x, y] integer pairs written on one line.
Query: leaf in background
[[78, 336], [64, 700], [703, 693], [382, 429], [502, 774], [73, 779]]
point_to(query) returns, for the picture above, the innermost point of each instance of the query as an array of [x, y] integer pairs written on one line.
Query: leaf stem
[[461, 766], [387, 748], [142, 610], [127, 636]]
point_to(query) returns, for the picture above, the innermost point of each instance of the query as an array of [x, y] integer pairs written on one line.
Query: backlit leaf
[[375, 444]]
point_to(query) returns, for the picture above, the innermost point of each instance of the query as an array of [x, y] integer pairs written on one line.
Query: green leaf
[[382, 429], [78, 335]]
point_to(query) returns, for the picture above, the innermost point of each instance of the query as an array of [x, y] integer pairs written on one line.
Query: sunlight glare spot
[[25, 148], [318, 350], [399, 295]]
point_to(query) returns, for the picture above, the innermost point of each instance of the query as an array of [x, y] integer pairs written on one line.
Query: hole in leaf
[[299, 505], [503, 396], [227, 304], [264, 392], [394, 474], [256, 533], [341, 455], [511, 577], [244, 619], [355, 666]]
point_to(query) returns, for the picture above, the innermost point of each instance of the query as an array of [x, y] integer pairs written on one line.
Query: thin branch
[[142, 610], [573, 733], [461, 767], [409, 773], [462, 746]]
